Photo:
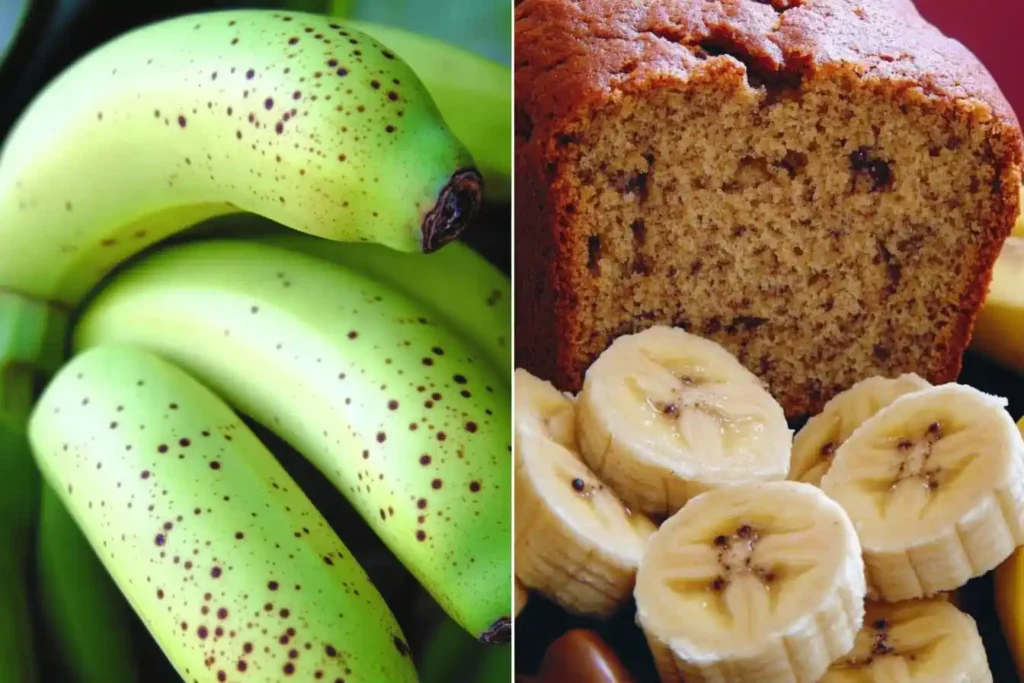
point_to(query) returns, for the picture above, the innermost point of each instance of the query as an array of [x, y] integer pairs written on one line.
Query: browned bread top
[[571, 54]]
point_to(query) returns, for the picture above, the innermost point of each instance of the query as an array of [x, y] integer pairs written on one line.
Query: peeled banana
[[935, 486], [665, 415], [575, 541], [824, 433], [928, 640], [410, 423], [758, 582], [229, 564]]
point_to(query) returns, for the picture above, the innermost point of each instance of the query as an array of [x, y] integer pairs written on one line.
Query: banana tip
[[456, 205], [500, 632]]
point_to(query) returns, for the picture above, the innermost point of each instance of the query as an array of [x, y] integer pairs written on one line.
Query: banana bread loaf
[[822, 186]]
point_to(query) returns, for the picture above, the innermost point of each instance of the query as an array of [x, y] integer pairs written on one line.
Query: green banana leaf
[[483, 26]]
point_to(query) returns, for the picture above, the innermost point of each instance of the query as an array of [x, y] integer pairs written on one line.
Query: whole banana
[[402, 416], [473, 93], [293, 116], [481, 311], [233, 570]]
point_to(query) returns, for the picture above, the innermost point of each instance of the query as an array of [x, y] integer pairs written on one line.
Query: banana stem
[[17, 652], [85, 615], [31, 345]]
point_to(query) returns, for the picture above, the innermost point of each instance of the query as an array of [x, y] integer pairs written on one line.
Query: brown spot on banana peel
[[456, 206], [498, 633]]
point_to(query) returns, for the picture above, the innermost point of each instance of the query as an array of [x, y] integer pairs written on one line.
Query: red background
[[993, 30]]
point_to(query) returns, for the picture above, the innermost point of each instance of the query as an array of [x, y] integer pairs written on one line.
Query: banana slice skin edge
[[665, 415], [760, 582], [575, 541], [934, 484]]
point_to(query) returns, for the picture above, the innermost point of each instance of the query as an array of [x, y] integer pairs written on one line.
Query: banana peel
[[999, 329], [474, 95]]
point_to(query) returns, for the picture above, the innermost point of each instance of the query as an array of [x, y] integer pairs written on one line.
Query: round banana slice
[[575, 541], [522, 596], [934, 484], [665, 415], [757, 582], [817, 442], [929, 640]]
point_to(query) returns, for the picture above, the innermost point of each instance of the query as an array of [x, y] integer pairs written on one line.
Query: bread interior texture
[[822, 228]]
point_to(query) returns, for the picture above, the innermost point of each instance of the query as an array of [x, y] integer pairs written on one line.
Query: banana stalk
[[87, 619], [31, 341]]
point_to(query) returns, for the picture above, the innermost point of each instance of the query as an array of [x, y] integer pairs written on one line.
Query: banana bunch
[[230, 566], [399, 400], [409, 422], [899, 493]]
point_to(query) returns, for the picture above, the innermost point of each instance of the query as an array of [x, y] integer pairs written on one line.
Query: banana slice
[[757, 582], [935, 486], [575, 541], [665, 415], [817, 442], [914, 641], [522, 596]]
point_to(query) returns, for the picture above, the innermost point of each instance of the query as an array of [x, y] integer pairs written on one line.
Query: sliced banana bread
[[822, 186]]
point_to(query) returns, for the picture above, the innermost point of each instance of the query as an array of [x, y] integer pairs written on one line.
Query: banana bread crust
[[576, 57]]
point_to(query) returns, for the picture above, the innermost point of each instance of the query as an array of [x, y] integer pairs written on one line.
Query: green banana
[[473, 93], [234, 571], [293, 116], [395, 410], [470, 294], [86, 617]]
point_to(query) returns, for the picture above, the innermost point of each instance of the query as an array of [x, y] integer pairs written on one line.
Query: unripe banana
[[233, 570], [404, 418], [293, 116], [471, 295], [473, 93], [86, 618]]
